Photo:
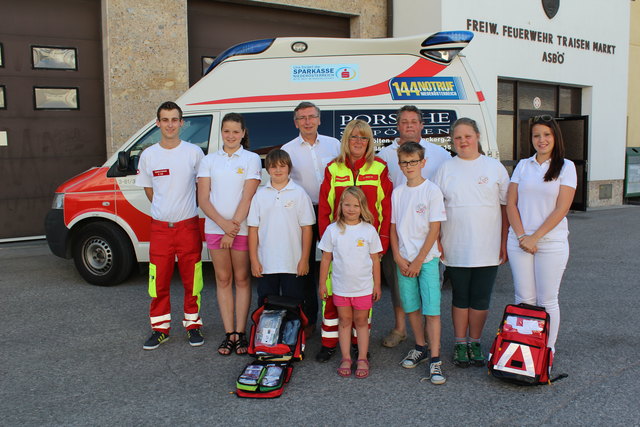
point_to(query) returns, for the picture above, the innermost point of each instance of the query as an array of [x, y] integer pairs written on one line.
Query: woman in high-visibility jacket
[[355, 165]]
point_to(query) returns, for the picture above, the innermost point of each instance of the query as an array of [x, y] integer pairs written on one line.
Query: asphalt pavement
[[71, 353]]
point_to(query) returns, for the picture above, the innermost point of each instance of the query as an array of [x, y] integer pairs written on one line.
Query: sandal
[[393, 339], [345, 372], [242, 345], [227, 344], [362, 372]]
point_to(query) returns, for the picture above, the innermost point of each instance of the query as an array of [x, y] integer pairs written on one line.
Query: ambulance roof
[[282, 71], [422, 45]]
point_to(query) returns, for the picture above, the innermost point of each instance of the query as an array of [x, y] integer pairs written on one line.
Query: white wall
[[411, 17], [497, 55]]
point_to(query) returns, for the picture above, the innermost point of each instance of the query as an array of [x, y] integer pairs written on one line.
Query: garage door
[[51, 105], [216, 26]]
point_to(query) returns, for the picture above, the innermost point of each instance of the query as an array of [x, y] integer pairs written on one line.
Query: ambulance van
[[101, 219]]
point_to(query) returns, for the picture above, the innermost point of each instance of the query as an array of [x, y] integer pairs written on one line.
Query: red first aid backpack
[[519, 353], [276, 340]]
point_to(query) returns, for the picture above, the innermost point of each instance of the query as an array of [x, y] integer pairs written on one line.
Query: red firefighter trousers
[[168, 241]]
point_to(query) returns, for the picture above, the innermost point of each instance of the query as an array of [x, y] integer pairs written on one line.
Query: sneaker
[[474, 350], [414, 358], [155, 340], [435, 373], [195, 337], [325, 354], [460, 355]]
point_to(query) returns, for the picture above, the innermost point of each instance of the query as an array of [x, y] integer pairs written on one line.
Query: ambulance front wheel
[[103, 254]]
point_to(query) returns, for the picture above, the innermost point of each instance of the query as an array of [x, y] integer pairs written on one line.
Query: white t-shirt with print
[[537, 199], [172, 175], [352, 269], [434, 154], [228, 175], [473, 192], [413, 208], [279, 214]]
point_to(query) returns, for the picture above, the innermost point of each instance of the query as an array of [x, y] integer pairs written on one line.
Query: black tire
[[103, 254]]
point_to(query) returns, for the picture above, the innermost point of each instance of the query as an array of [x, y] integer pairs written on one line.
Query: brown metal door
[[215, 26], [575, 134], [53, 115]]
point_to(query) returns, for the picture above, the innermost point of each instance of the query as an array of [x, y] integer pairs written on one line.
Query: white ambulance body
[[101, 219]]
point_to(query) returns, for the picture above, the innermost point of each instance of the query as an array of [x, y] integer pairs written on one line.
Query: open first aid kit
[[276, 340], [519, 353]]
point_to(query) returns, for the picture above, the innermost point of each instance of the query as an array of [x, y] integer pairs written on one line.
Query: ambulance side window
[[196, 130], [269, 130]]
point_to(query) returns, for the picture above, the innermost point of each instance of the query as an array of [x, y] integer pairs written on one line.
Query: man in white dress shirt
[[310, 153]]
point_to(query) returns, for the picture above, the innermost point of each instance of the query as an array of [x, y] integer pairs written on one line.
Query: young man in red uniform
[[167, 171]]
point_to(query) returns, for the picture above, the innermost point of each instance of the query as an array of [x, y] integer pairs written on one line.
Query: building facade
[[633, 136], [565, 58], [79, 77]]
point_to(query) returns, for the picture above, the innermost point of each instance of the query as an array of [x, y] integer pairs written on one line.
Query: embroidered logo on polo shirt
[[289, 204], [240, 171], [483, 180], [161, 172], [360, 243], [343, 178], [421, 208]]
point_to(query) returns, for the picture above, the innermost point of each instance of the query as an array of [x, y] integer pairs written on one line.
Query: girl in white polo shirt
[[227, 180], [350, 246], [540, 195]]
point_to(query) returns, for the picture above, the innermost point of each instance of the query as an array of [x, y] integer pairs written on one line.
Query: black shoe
[[325, 354], [195, 337], [155, 340]]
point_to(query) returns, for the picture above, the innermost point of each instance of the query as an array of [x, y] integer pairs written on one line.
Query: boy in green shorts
[[417, 210]]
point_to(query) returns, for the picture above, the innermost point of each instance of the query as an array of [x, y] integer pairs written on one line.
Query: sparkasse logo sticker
[[324, 72]]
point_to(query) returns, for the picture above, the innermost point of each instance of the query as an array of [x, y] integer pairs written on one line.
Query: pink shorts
[[358, 303], [240, 243]]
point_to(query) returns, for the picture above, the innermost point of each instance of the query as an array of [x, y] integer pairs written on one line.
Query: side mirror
[[123, 161]]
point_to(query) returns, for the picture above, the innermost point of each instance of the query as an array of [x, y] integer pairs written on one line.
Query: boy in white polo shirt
[[167, 171], [417, 210], [280, 220]]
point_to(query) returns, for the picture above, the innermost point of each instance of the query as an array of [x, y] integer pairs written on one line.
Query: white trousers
[[536, 278]]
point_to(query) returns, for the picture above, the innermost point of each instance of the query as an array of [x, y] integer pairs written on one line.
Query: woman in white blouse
[[540, 195], [474, 236]]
